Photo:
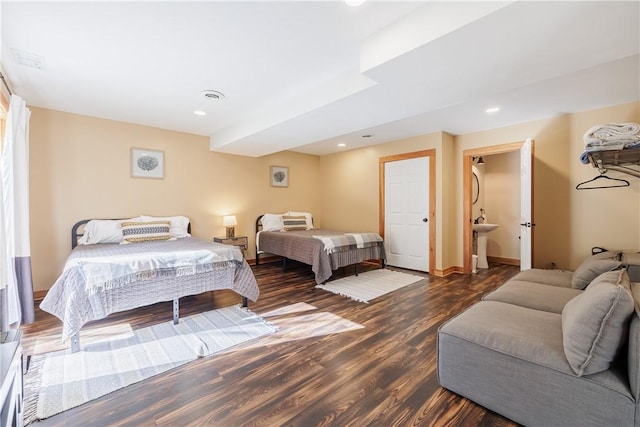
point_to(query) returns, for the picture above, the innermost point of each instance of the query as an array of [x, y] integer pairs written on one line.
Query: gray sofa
[[540, 350]]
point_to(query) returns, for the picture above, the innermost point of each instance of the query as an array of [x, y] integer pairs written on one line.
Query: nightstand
[[240, 241]]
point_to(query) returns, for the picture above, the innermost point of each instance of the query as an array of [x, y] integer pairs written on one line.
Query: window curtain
[[16, 253]]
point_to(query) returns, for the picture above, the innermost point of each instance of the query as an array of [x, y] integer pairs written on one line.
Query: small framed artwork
[[147, 163], [279, 176]]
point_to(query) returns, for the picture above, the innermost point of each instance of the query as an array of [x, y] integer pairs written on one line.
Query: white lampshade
[[229, 220]]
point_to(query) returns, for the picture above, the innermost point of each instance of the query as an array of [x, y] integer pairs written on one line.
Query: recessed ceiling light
[[354, 3], [492, 110], [342, 144], [213, 94], [199, 113]]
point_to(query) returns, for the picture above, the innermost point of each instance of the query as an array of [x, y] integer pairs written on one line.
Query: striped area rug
[[62, 380], [369, 285]]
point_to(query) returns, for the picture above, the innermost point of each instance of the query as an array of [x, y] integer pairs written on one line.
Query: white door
[[406, 213], [526, 221]]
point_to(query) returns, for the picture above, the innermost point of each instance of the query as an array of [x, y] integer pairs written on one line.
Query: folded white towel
[[619, 132], [612, 143]]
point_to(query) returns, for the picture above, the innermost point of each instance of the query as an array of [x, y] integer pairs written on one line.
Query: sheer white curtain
[[7, 310], [16, 252]]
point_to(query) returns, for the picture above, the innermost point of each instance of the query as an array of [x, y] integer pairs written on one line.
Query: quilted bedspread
[[141, 274], [306, 247]]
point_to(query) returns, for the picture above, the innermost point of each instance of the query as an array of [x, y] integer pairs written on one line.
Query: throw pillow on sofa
[[594, 323], [593, 267]]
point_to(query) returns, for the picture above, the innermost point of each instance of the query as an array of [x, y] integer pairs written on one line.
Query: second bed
[[324, 250]]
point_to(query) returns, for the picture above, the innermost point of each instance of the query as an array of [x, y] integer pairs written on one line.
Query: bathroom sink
[[483, 230], [484, 227]]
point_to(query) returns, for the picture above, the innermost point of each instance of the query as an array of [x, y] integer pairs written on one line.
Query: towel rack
[[625, 161]]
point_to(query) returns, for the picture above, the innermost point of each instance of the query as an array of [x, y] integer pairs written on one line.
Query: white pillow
[[179, 224], [103, 231], [272, 222], [307, 215]]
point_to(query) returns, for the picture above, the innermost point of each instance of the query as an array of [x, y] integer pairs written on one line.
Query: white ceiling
[[307, 75]]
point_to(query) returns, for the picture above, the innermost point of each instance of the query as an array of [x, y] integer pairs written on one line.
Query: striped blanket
[[338, 242]]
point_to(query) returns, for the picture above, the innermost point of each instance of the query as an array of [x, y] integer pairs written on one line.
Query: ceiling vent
[[29, 59], [213, 94]]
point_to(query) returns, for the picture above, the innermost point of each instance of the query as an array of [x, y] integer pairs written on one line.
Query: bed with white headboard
[[292, 235], [118, 265]]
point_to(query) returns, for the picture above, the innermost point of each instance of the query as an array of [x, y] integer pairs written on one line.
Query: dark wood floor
[[334, 361]]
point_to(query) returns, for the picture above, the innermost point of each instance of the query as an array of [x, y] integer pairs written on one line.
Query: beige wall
[[80, 168], [609, 218], [502, 204], [568, 222], [351, 186]]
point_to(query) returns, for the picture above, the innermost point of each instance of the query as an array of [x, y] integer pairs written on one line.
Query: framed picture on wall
[[279, 176], [147, 163]]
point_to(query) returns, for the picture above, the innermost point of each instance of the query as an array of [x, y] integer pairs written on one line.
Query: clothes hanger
[[618, 183]]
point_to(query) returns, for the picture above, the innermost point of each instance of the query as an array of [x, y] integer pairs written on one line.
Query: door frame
[[431, 153], [467, 204]]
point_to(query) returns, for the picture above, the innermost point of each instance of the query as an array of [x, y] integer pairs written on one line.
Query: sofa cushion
[[520, 332], [561, 278], [534, 295], [594, 323], [591, 268]]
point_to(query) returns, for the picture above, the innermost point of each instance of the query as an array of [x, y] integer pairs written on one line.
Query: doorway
[[525, 150], [407, 209]]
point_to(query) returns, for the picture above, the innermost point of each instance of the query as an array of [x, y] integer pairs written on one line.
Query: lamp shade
[[229, 220]]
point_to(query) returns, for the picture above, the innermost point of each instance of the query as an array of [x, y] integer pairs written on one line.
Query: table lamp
[[230, 222]]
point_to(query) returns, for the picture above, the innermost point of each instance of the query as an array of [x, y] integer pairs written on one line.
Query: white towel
[[612, 133]]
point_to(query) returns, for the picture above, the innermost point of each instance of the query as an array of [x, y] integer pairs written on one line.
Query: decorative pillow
[[272, 222], [145, 231], [308, 217], [179, 224], [594, 323], [592, 268], [103, 231], [291, 223]]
